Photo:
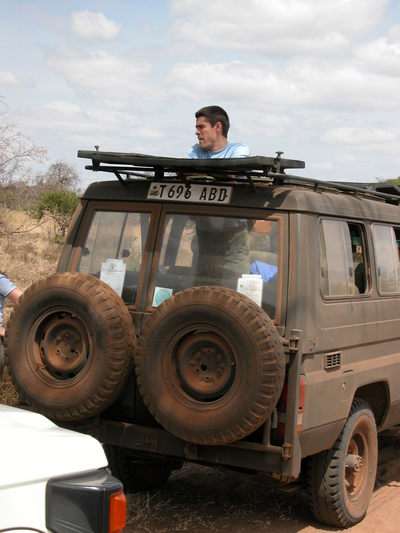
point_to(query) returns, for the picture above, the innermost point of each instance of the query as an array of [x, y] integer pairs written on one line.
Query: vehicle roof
[[257, 182], [286, 197]]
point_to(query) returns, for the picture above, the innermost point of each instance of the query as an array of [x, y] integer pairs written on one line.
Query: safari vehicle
[[226, 312]]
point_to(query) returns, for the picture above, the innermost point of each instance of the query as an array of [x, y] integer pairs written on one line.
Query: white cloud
[[68, 117], [314, 84], [320, 166], [105, 75], [274, 26], [68, 127], [363, 137], [90, 26], [382, 55], [9, 79]]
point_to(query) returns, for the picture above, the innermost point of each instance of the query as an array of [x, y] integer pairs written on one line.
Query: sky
[[316, 79]]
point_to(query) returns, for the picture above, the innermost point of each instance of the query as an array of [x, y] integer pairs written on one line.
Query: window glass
[[114, 248], [238, 253], [359, 256], [387, 258], [343, 258]]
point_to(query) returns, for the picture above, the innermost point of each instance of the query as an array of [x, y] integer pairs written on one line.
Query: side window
[[386, 247], [343, 258]]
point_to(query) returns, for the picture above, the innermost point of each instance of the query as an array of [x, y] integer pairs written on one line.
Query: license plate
[[179, 192]]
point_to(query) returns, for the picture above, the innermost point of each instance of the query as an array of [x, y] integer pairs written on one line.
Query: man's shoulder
[[194, 152], [241, 149], [237, 150]]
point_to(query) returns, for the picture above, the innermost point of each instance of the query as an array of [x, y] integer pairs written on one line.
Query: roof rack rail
[[255, 168], [390, 189], [155, 167]]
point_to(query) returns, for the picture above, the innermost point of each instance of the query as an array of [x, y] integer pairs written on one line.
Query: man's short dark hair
[[214, 114]]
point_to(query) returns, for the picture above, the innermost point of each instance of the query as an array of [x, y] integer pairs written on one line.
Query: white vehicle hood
[[33, 448]]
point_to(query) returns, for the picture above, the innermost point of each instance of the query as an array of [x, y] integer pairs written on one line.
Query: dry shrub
[[26, 255]]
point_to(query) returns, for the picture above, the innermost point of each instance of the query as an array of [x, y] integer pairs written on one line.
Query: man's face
[[206, 134]]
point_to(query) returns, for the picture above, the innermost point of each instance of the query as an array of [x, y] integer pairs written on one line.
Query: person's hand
[[2, 331]]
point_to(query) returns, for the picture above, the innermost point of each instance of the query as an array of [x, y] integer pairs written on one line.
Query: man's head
[[212, 125]]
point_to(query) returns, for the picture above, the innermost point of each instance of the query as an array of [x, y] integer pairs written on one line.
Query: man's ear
[[218, 127]]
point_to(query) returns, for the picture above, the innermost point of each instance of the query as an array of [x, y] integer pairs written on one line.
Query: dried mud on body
[[200, 499]]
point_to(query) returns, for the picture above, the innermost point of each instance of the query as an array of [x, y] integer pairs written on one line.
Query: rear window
[[114, 250], [238, 253], [191, 250]]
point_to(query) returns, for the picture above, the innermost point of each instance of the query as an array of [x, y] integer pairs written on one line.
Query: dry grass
[[201, 499], [26, 255]]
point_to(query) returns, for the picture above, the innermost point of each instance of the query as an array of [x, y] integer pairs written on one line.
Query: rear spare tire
[[210, 365], [69, 346]]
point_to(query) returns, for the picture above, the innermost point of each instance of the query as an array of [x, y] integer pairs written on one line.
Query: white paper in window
[[251, 285], [113, 273]]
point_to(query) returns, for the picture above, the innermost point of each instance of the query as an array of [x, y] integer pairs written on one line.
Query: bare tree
[[60, 176], [16, 151]]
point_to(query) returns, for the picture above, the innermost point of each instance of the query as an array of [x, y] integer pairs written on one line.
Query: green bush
[[58, 206]]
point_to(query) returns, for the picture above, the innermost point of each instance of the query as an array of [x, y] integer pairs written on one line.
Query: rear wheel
[[138, 474], [341, 480]]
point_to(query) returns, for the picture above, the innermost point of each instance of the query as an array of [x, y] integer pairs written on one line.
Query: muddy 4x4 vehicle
[[224, 312]]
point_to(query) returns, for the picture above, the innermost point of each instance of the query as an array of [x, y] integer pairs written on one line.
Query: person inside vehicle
[[212, 126], [223, 242], [7, 290]]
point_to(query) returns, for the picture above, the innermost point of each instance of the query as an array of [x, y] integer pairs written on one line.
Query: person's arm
[[14, 295]]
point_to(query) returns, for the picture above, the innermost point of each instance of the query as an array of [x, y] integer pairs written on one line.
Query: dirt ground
[[199, 498]]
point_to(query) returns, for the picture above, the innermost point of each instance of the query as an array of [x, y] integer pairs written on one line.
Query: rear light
[[282, 408], [91, 502], [117, 512]]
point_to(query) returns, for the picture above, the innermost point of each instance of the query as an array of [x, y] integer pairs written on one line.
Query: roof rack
[[388, 190], [157, 168], [256, 168], [387, 193]]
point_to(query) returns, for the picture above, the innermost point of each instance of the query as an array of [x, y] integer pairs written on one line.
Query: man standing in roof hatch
[[212, 125], [222, 242]]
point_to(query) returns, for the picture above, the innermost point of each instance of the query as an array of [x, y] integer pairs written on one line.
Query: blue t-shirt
[[6, 286], [230, 150], [266, 270]]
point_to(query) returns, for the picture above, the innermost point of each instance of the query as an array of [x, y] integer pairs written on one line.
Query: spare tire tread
[[271, 362], [119, 346]]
